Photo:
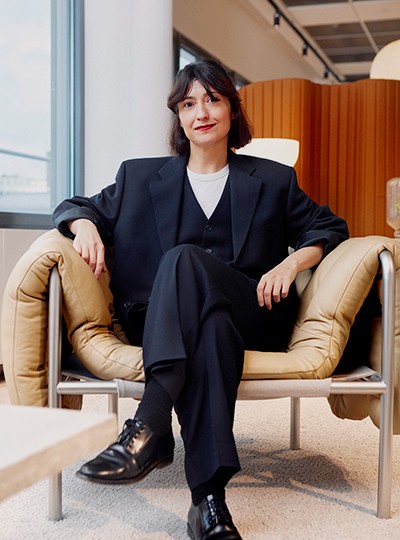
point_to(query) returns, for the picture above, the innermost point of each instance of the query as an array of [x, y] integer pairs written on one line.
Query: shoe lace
[[132, 427], [217, 513]]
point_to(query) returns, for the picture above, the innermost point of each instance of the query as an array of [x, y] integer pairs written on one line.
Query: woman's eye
[[213, 99], [187, 105]]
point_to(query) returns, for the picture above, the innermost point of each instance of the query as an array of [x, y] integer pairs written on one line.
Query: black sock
[[162, 390], [155, 408], [214, 486], [208, 488]]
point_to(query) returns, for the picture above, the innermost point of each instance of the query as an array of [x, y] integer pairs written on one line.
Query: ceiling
[[347, 33]]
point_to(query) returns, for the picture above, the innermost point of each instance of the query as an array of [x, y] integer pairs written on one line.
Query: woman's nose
[[202, 112]]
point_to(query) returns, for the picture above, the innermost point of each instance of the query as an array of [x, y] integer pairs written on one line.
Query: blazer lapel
[[245, 190], [166, 193]]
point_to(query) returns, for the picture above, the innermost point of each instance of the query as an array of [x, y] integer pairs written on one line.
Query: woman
[[201, 272]]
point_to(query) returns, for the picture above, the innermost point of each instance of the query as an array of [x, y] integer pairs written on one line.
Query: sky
[[25, 83]]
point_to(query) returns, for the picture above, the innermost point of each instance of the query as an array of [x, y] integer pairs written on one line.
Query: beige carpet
[[326, 490]]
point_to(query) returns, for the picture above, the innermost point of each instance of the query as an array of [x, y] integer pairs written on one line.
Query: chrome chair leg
[[54, 353], [385, 465], [294, 423], [55, 497]]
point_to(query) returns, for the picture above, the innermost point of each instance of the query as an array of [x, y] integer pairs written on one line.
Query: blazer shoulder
[[261, 167], [147, 162], [155, 167]]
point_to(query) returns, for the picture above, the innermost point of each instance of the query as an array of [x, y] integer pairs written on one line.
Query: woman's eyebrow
[[211, 93]]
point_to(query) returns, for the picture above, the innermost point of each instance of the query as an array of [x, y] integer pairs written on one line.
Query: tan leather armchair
[[330, 303]]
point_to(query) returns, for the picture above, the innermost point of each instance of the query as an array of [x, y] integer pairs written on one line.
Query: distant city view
[[24, 183]]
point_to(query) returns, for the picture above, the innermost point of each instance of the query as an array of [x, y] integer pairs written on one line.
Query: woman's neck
[[205, 161]]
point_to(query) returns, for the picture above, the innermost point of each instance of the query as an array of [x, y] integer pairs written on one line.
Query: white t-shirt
[[208, 188]]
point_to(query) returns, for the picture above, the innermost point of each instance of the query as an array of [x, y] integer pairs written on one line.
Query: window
[[40, 85], [186, 57]]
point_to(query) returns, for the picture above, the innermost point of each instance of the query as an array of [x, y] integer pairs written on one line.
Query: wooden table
[[36, 442]]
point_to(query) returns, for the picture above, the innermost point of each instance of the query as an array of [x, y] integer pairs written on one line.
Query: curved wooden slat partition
[[349, 141]]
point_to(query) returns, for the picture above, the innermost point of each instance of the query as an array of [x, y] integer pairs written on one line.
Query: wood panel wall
[[349, 141]]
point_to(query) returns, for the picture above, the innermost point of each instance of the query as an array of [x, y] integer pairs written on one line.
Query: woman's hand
[[275, 284], [89, 245]]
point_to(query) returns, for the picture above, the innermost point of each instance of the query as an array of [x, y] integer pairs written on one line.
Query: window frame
[[67, 112]]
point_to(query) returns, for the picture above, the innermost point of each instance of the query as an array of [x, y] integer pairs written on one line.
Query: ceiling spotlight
[[305, 49], [277, 18], [326, 72]]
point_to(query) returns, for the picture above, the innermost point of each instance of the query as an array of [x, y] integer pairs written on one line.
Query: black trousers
[[205, 314]]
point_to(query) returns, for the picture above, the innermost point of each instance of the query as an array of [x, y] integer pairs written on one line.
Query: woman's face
[[205, 119]]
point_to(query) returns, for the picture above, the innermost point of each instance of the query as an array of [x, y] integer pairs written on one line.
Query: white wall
[[128, 73]]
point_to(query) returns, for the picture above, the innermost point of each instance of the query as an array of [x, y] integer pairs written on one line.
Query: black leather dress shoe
[[136, 453], [211, 520]]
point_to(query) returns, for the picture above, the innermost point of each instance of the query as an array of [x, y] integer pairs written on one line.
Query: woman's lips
[[205, 127]]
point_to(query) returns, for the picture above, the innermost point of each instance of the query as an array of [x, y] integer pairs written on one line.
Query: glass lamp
[[284, 151], [393, 205], [386, 64]]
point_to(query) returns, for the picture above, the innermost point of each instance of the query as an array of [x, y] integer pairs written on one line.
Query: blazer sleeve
[[102, 209], [309, 224]]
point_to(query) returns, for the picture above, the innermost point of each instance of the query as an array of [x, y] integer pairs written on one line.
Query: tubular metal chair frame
[[384, 387]]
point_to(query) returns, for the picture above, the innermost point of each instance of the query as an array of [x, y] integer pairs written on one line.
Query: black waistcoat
[[214, 235]]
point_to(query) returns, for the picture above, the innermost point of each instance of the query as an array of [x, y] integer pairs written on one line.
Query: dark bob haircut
[[214, 78]]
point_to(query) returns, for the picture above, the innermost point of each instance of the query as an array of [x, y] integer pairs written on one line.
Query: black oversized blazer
[[138, 216]]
